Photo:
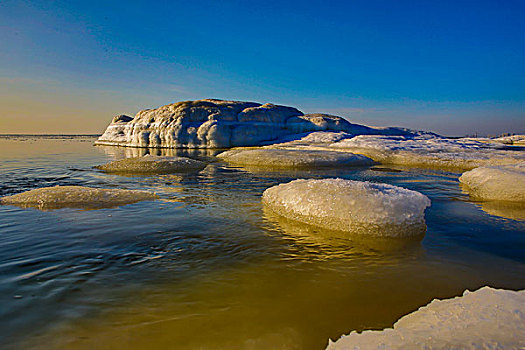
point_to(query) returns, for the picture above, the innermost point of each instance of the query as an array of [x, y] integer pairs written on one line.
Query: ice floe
[[502, 183], [281, 158], [352, 206], [76, 197], [485, 319], [152, 165]]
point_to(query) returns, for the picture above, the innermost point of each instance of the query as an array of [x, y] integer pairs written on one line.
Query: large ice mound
[[214, 123], [280, 158], [351, 206], [504, 183], [76, 197], [152, 165], [485, 319]]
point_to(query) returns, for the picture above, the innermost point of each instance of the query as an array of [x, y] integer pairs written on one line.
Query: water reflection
[[117, 152], [330, 244], [504, 209]]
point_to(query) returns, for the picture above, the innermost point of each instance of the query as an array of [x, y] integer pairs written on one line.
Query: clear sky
[[453, 67]]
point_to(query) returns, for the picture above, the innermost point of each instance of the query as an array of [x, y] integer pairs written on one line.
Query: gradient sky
[[453, 67]]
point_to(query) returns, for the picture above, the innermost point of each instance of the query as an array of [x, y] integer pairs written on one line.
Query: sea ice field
[[204, 263]]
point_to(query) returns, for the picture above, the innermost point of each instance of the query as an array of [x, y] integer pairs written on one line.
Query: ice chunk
[[485, 319], [152, 165], [352, 206], [504, 183], [76, 197], [280, 158], [431, 151]]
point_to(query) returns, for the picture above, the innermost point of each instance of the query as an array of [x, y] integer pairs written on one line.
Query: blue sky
[[454, 67]]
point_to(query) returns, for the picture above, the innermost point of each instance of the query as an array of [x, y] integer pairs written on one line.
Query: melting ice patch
[[485, 319], [503, 183], [352, 206], [152, 165], [76, 197], [280, 158]]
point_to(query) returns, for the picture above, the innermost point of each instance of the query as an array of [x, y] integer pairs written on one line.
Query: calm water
[[207, 267]]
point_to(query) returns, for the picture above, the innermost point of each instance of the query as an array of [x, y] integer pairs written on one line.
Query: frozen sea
[[206, 267]]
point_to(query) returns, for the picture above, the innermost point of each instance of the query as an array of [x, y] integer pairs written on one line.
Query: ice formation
[[152, 165], [352, 206], [504, 183], [485, 319], [222, 124], [281, 158], [431, 151], [76, 197], [511, 140]]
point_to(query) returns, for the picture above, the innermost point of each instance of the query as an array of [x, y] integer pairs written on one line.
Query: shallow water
[[208, 267]]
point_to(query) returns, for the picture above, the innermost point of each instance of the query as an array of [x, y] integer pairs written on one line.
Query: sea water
[[207, 267]]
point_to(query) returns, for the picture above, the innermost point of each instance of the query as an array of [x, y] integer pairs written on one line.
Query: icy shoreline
[[484, 319]]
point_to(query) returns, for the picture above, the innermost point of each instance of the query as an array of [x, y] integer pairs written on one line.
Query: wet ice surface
[[206, 267], [500, 183], [278, 158], [357, 207], [152, 165], [57, 197], [485, 319]]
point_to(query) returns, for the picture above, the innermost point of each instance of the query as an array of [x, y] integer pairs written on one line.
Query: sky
[[452, 67]]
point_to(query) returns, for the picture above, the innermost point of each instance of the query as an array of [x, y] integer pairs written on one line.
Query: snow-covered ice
[[280, 158], [352, 206], [485, 319], [76, 197], [152, 165], [213, 123], [431, 151], [504, 183]]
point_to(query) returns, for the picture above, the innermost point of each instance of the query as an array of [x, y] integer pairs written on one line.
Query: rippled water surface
[[207, 267]]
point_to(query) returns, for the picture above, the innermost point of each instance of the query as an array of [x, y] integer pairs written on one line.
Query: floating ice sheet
[[152, 165], [280, 158], [357, 207], [76, 197], [503, 183], [485, 319]]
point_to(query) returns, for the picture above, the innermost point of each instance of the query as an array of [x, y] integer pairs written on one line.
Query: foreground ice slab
[[152, 165], [222, 124], [280, 158], [485, 319], [351, 206], [503, 183], [76, 197]]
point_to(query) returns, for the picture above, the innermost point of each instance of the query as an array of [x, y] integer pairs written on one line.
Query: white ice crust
[[351, 206], [76, 197], [485, 319], [281, 158], [152, 165], [421, 150], [503, 183], [214, 123]]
